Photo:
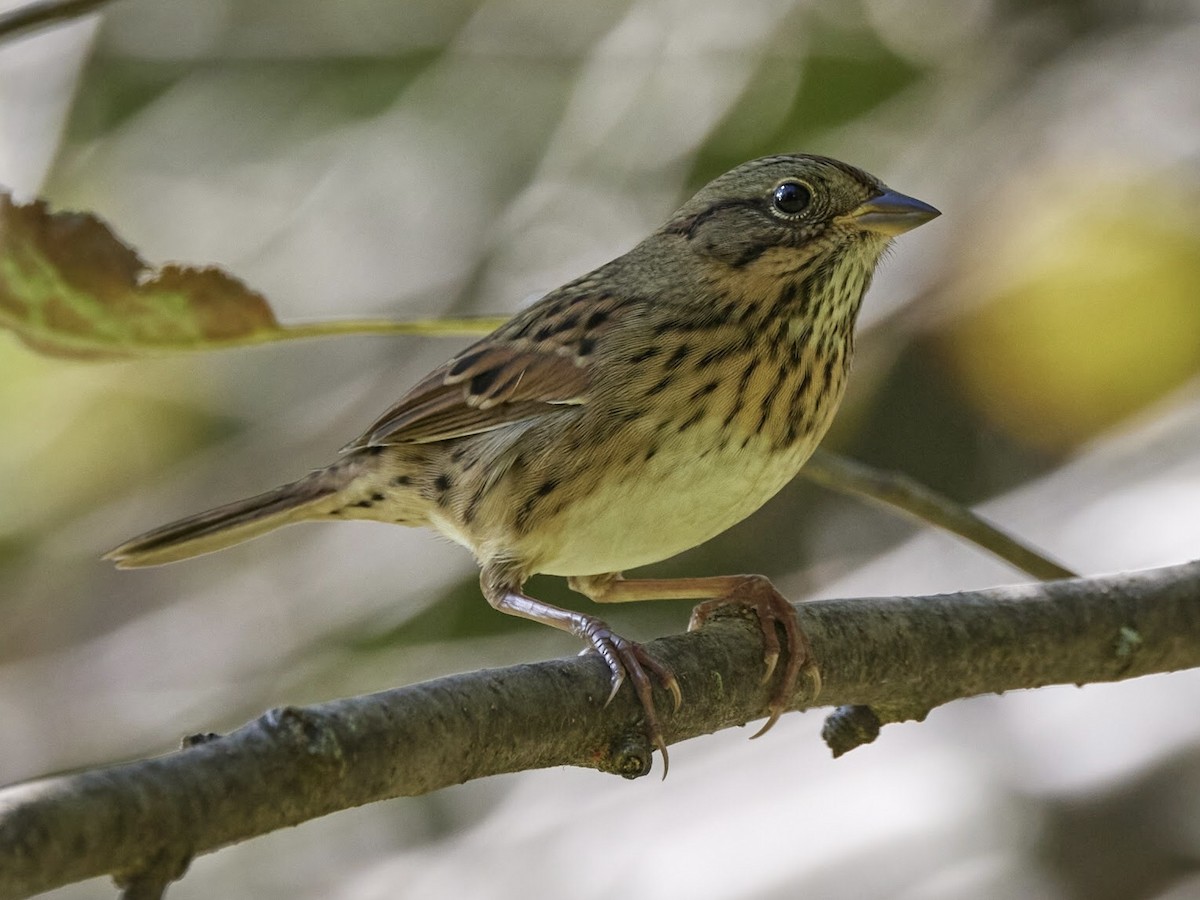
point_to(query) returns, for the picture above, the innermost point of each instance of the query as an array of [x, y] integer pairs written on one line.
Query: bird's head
[[784, 210]]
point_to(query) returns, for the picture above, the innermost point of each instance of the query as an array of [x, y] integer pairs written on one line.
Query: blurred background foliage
[[1036, 348]]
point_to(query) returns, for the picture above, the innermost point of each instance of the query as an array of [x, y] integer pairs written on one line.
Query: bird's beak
[[892, 213]]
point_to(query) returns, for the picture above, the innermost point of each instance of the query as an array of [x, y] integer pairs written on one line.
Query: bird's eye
[[791, 198]]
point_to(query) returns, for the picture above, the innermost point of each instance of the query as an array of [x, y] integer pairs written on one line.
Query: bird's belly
[[652, 510]]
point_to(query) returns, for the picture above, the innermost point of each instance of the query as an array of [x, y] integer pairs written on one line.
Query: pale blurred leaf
[[69, 287]]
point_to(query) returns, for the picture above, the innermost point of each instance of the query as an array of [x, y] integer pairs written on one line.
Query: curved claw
[[618, 679], [771, 609], [627, 658]]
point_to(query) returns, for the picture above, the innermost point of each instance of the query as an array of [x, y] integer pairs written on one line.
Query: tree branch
[[902, 656]]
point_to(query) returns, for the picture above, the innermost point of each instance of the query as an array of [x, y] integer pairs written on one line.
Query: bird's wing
[[539, 359]]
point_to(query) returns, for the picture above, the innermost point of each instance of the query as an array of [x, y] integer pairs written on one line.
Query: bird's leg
[[624, 658], [752, 592]]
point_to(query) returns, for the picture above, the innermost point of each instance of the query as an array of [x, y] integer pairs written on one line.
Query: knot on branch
[[307, 731], [848, 727], [149, 880], [630, 756]]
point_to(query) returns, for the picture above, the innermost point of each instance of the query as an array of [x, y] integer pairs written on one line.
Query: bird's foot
[[756, 594], [628, 659]]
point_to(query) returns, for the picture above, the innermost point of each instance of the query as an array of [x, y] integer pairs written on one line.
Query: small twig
[[43, 14], [901, 492]]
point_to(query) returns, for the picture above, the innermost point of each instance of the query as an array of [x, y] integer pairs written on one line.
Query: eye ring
[[791, 198]]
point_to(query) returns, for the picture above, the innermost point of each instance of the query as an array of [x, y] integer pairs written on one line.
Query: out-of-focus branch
[[42, 14], [900, 492], [902, 656]]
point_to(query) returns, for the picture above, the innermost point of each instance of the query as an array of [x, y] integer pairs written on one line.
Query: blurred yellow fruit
[[1090, 309]]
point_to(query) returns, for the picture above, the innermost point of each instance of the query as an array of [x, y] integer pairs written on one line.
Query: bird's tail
[[311, 497]]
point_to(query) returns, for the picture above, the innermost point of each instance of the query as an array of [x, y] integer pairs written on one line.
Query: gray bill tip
[[893, 213]]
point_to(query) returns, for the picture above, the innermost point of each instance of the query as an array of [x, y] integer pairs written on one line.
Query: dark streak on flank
[[648, 353], [723, 314], [631, 415], [661, 385], [704, 390], [694, 419], [828, 339], [800, 391], [546, 488], [799, 412], [716, 355], [473, 503], [768, 403], [787, 296], [748, 312], [522, 520], [676, 326], [741, 391], [779, 340], [401, 480], [678, 356], [663, 327]]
